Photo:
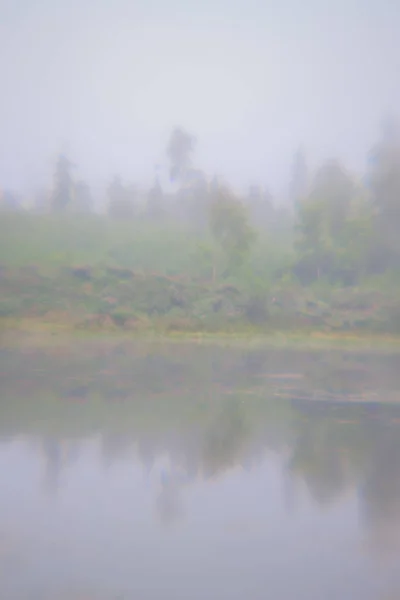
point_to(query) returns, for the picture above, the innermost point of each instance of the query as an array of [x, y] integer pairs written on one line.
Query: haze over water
[[153, 471]]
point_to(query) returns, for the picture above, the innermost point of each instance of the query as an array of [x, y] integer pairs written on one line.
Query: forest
[[205, 257]]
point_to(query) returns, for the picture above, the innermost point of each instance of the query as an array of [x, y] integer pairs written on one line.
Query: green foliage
[[231, 229], [261, 210], [204, 256], [335, 229]]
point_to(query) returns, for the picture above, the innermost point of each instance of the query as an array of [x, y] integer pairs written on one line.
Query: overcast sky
[[108, 80]]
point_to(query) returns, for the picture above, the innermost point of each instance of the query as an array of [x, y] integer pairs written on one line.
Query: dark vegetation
[[205, 258]]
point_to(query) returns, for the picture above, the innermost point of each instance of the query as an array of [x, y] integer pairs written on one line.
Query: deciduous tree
[[230, 228]]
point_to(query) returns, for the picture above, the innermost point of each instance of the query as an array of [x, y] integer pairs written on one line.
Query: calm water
[[146, 472]]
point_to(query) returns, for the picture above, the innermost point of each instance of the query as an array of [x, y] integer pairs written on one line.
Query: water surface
[[139, 471]]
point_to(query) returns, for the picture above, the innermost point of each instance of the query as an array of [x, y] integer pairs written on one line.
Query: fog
[[106, 82], [199, 299]]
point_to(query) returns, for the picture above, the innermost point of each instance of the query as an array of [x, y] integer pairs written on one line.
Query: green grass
[[53, 241], [50, 241], [65, 269]]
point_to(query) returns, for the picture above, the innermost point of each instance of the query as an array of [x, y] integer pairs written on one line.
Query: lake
[[154, 470]]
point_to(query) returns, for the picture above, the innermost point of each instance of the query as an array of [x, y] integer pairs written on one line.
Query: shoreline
[[40, 332]]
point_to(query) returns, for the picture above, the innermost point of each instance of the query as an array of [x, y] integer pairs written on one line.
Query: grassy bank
[[93, 274], [38, 333], [123, 300]]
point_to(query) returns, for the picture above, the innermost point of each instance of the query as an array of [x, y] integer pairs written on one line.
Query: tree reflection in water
[[211, 410]]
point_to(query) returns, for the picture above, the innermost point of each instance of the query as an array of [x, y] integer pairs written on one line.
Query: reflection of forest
[[331, 453], [118, 372], [207, 411], [58, 454]]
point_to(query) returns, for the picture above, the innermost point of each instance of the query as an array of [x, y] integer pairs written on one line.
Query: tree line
[[343, 228]]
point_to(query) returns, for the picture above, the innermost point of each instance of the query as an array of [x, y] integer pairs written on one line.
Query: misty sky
[[108, 79]]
